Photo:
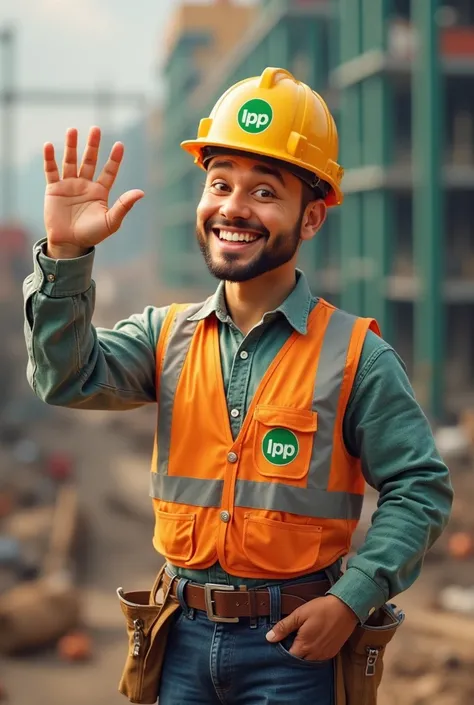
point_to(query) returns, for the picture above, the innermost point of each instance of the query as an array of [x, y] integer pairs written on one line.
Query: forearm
[[387, 429], [73, 364], [404, 527]]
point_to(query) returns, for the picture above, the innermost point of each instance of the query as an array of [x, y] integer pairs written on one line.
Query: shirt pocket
[[283, 441]]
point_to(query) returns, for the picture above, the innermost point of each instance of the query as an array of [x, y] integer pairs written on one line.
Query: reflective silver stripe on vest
[[186, 490], [175, 355], [327, 390], [297, 500], [258, 495]]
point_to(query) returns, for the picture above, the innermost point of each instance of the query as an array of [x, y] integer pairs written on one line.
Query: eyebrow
[[257, 168]]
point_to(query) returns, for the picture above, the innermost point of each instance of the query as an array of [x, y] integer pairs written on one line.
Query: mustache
[[240, 223]]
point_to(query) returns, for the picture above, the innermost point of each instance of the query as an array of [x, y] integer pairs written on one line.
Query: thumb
[[121, 207], [284, 627]]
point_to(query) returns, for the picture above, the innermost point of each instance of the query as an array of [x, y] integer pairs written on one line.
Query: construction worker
[[274, 406]]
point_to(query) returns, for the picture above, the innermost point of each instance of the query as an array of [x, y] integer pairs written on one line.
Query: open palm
[[76, 211]]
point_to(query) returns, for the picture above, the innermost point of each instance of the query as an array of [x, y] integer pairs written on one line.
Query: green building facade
[[398, 76]]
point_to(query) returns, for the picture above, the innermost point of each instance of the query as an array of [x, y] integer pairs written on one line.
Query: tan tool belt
[[148, 616], [359, 666]]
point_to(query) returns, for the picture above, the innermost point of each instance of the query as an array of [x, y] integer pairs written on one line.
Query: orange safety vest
[[284, 498]]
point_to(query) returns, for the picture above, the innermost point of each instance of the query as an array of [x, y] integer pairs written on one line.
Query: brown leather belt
[[226, 603]]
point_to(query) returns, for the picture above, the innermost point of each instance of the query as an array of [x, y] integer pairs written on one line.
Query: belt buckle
[[208, 588]]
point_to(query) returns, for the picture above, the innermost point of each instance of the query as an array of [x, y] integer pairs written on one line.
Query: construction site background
[[75, 518]]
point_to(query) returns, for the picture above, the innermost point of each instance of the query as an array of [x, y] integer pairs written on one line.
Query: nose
[[235, 206]]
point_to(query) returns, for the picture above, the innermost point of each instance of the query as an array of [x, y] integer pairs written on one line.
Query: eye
[[264, 193], [220, 186]]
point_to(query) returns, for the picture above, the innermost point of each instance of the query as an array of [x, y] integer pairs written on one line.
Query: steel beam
[[428, 225]]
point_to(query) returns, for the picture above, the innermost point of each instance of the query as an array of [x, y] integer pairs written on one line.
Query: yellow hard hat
[[278, 117]]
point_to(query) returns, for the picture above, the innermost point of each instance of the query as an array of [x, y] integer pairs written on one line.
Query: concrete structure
[[405, 112], [406, 125]]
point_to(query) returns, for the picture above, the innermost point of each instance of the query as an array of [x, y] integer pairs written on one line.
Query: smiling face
[[252, 217]]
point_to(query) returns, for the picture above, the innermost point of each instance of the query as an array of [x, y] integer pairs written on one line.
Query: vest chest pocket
[[283, 441]]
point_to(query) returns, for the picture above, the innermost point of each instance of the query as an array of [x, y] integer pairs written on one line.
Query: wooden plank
[[443, 625], [63, 530]]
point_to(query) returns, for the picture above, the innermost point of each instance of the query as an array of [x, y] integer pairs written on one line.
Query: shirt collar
[[296, 307]]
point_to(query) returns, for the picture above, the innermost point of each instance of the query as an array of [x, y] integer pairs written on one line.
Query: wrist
[[344, 608], [65, 251]]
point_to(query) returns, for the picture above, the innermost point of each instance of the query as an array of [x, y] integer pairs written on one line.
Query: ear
[[313, 219]]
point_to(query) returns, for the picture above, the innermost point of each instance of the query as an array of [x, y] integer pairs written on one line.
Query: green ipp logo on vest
[[280, 446], [255, 116]]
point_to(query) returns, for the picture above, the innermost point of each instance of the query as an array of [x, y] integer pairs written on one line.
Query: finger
[[298, 647], [91, 152], [111, 168], [51, 171], [284, 627], [70, 154], [121, 207]]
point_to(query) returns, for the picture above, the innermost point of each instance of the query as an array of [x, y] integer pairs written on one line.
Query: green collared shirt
[[73, 364]]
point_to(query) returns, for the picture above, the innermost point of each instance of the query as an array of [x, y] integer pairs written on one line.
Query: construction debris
[[39, 515], [461, 545], [75, 646], [36, 614], [457, 599], [423, 672]]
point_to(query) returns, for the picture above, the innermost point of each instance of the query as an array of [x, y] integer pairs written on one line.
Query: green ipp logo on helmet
[[280, 446], [255, 116]]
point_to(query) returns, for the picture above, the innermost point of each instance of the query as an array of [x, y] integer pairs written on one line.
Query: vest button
[[244, 355], [234, 413], [232, 457], [225, 516]]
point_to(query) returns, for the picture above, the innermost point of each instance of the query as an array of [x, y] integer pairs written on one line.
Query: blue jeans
[[210, 663]]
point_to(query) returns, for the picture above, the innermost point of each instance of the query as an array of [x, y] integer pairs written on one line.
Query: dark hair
[[315, 193], [309, 194]]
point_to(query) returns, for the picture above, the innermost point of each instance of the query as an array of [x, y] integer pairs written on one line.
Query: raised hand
[[76, 211]]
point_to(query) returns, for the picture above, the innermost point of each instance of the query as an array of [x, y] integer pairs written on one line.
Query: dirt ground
[[430, 661], [119, 553]]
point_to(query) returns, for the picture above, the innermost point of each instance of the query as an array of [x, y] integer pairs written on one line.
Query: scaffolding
[[398, 78]]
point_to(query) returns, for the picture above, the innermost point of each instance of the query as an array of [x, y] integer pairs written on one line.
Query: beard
[[230, 267]]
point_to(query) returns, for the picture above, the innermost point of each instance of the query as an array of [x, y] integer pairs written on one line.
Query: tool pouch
[[359, 666], [148, 618]]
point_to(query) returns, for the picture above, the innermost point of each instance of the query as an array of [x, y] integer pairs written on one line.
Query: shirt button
[[225, 516], [244, 355], [51, 277], [232, 457], [234, 413]]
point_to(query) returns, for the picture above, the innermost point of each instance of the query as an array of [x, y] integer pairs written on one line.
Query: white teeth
[[236, 237]]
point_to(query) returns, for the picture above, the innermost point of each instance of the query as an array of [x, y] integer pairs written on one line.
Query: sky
[[82, 44], [66, 44]]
